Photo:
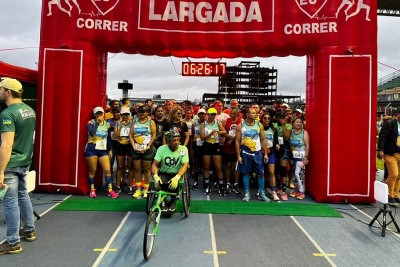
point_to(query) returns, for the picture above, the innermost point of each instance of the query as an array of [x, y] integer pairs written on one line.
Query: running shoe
[[294, 193], [112, 194], [236, 189], [6, 248], [300, 196], [164, 207], [92, 193], [393, 202], [130, 192], [274, 196], [215, 184], [172, 207], [117, 189], [28, 236], [207, 190], [264, 198], [284, 196], [144, 193], [137, 194], [221, 191], [258, 195], [278, 191], [246, 197], [195, 186], [228, 189]]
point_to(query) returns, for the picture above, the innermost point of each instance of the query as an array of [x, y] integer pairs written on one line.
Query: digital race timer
[[203, 69]]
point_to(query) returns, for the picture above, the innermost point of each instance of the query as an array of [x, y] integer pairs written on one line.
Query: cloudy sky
[[21, 30]]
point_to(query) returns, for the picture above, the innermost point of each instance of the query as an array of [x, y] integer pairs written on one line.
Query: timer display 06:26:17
[[203, 69]]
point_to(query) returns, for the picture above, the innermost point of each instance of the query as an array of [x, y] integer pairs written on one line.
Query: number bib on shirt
[[298, 154], [199, 142], [125, 131], [101, 144], [140, 147], [280, 140]]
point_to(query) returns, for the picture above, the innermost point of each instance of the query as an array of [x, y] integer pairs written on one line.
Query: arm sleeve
[[92, 128]]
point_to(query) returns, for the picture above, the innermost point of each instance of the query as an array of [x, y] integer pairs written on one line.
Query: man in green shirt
[[170, 164], [17, 129]]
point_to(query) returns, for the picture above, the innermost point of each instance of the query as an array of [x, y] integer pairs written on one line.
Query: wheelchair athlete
[[170, 164]]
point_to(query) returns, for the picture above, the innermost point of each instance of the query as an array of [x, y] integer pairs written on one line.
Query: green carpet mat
[[78, 203]]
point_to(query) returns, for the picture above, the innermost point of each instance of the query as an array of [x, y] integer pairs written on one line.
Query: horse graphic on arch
[[58, 3]]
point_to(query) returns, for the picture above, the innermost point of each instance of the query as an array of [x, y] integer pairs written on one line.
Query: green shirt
[[20, 119], [171, 162]]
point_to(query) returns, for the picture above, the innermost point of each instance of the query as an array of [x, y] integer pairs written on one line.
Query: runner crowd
[[228, 147]]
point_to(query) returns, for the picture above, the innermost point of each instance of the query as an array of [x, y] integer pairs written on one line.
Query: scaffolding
[[249, 83]]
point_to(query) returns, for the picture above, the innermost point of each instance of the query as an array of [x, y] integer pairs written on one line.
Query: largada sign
[[339, 38]]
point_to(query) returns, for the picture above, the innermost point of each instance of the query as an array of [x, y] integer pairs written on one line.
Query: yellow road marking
[[101, 250], [210, 252], [327, 254]]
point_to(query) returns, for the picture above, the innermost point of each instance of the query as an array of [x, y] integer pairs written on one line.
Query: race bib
[[232, 132], [199, 142], [101, 144], [182, 153], [297, 154], [269, 143], [125, 132], [280, 140], [139, 146]]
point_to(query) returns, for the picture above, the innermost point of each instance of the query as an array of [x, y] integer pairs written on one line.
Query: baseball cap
[[285, 105], [212, 110], [11, 84], [98, 109], [125, 110], [299, 111], [142, 109], [202, 110]]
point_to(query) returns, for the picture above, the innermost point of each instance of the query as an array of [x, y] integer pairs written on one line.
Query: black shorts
[[211, 149], [124, 150]]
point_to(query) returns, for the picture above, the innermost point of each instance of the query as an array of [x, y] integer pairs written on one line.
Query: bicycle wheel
[[151, 197], [150, 232], [186, 197]]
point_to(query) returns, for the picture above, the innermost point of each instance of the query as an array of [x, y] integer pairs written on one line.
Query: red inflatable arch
[[338, 37]]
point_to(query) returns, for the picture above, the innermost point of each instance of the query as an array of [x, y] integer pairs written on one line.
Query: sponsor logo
[[105, 6], [26, 113], [102, 7], [311, 7], [7, 122], [219, 16]]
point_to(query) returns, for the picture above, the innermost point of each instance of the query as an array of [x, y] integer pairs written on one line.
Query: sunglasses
[[178, 113]]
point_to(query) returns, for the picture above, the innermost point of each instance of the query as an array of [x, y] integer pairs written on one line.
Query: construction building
[[249, 83]]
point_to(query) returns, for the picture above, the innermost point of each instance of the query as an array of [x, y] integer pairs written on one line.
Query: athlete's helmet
[[171, 134]]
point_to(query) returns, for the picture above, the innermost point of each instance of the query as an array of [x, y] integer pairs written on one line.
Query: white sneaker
[[246, 197]]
